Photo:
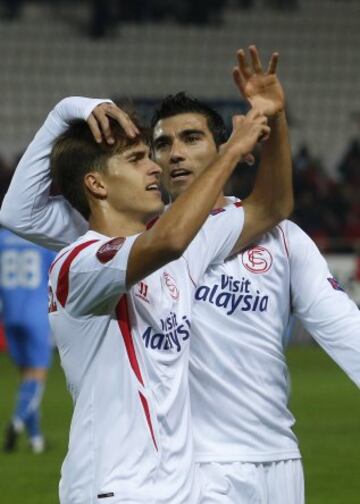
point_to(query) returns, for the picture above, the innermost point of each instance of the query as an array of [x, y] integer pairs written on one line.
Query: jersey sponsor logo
[[171, 285], [257, 259], [142, 291], [172, 336], [107, 251], [232, 294], [335, 284]]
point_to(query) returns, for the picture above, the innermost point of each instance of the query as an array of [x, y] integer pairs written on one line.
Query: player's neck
[[111, 223]]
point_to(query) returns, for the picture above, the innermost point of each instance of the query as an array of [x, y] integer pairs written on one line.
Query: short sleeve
[[215, 241], [91, 276]]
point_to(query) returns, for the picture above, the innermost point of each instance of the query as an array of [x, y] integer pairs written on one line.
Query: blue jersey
[[24, 269]]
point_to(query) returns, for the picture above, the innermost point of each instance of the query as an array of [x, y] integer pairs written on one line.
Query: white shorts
[[279, 482]]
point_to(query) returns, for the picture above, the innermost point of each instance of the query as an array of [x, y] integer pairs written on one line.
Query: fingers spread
[[244, 68], [256, 63], [273, 63], [239, 79]]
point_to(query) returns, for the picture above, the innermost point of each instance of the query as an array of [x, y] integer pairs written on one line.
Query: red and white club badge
[[107, 251], [171, 285], [257, 259]]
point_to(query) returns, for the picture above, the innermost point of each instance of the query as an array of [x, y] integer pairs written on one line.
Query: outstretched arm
[[28, 209], [176, 228], [272, 198]]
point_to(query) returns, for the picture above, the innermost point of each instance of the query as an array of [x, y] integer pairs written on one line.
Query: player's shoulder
[[91, 245], [73, 249], [291, 231]]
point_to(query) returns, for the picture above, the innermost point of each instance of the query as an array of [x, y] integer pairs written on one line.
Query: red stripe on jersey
[[145, 405], [56, 260], [238, 203], [122, 313], [285, 244], [62, 290]]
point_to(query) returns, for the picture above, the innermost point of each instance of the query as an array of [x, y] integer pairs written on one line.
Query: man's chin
[[156, 211], [179, 187]]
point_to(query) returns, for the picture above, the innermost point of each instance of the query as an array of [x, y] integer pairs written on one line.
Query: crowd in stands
[[327, 209], [105, 14]]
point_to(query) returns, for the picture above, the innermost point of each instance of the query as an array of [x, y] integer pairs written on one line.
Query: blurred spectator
[[349, 165], [105, 14]]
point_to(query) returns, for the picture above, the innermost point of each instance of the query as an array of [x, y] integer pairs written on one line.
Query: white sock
[[18, 425], [37, 444]]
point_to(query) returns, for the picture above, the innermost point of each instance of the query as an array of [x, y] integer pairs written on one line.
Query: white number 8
[[20, 269]]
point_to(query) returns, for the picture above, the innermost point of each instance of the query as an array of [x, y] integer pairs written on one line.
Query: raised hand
[[99, 123], [261, 89]]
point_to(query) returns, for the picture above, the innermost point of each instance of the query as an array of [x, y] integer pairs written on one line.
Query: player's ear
[[95, 184]]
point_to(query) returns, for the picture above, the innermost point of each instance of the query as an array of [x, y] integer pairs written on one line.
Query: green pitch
[[325, 402]]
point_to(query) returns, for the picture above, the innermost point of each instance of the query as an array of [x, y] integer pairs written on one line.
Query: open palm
[[261, 89]]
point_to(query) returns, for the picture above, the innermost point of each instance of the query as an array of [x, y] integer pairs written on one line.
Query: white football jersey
[[125, 357], [238, 374]]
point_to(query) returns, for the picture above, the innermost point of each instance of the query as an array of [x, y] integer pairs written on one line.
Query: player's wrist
[[78, 107], [233, 153], [277, 118]]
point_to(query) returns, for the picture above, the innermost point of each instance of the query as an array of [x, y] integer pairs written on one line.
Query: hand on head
[[99, 122]]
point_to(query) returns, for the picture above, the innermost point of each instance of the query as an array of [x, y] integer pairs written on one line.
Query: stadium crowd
[[327, 209], [104, 14]]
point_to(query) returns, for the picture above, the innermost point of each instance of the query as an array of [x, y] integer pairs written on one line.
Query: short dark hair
[[75, 153], [182, 103]]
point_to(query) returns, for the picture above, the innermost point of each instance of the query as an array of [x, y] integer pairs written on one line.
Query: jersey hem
[[250, 457]]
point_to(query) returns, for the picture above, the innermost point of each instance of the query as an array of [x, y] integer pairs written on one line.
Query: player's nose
[[154, 168], [177, 151]]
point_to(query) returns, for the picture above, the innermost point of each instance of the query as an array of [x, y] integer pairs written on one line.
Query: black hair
[[181, 103]]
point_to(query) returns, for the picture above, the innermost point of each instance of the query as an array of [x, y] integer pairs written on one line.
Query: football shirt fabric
[[125, 356], [239, 379]]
